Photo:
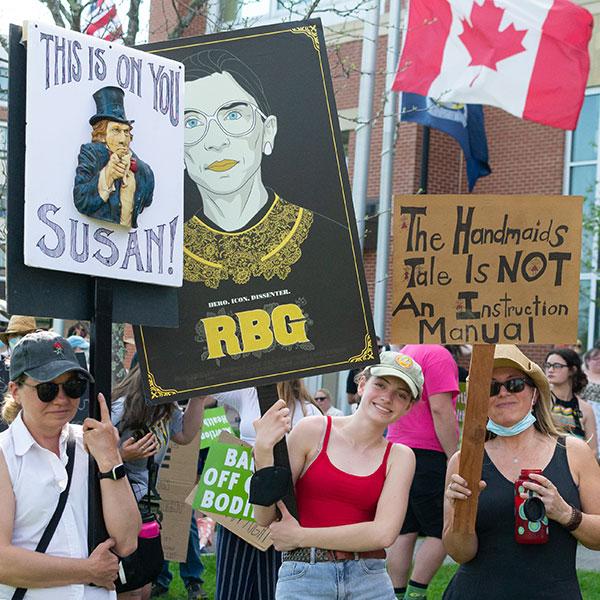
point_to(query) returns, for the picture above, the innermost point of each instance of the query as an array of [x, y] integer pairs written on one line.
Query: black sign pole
[[267, 396], [101, 368]]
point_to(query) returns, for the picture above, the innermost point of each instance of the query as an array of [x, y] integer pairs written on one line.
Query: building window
[[582, 174], [3, 83]]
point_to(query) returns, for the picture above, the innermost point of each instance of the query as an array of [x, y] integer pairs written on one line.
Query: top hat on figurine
[[109, 105]]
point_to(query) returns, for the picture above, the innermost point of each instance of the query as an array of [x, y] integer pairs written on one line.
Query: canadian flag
[[528, 57]]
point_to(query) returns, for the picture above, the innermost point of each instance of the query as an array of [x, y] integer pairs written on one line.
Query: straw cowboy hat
[[18, 325]]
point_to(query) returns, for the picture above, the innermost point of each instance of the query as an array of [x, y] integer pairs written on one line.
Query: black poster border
[[313, 30]]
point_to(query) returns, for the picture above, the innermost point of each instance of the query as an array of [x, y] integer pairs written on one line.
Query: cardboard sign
[[225, 482], [102, 197], [254, 534], [177, 476], [274, 286], [214, 423], [486, 269]]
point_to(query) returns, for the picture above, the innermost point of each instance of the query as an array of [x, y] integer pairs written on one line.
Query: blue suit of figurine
[[93, 157]]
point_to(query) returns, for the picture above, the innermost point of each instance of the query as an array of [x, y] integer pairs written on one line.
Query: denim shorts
[[363, 579]]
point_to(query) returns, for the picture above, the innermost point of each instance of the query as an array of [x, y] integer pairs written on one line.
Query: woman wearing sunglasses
[[522, 435], [567, 380], [44, 391]]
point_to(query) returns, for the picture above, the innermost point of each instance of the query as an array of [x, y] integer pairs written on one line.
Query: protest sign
[[225, 482], [214, 423], [486, 269], [254, 534], [273, 278], [101, 196], [177, 476]]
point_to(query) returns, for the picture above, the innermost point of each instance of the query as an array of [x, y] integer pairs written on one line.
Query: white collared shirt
[[38, 477]]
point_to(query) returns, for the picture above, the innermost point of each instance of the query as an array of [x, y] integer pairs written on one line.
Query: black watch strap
[[117, 472]]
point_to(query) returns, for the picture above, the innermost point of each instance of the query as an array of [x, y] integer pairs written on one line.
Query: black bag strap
[[62, 500]]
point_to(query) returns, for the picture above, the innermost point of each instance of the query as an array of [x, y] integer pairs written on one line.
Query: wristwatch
[[115, 473]]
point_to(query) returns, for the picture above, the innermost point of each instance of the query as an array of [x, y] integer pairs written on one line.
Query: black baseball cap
[[43, 356]]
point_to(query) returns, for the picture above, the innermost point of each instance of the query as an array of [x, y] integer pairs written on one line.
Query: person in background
[[79, 328], [323, 400], [17, 327], [521, 434], [145, 431], [351, 488], [431, 430], [563, 371], [243, 571], [46, 384], [591, 392]]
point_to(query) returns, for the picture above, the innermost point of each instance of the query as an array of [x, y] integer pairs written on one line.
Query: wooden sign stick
[[473, 438]]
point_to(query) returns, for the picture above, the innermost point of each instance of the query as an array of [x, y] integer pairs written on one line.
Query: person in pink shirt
[[430, 428]]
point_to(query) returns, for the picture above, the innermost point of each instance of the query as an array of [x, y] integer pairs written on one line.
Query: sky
[[17, 11]]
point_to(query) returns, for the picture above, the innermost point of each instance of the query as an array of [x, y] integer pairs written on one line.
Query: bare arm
[[192, 421], [301, 442], [589, 425], [444, 421], [25, 568], [287, 534], [461, 547], [586, 474]]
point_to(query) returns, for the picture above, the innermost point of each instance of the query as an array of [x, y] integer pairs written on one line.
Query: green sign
[[225, 482], [215, 421]]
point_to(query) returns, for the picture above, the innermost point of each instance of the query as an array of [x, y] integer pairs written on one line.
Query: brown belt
[[322, 555]]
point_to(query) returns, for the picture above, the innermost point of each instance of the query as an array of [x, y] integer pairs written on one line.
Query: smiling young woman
[[351, 487]]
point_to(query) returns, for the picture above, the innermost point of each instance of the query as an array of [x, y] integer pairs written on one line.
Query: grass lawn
[[589, 580]]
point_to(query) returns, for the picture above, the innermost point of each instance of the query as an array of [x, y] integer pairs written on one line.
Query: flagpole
[[390, 120], [362, 146], [425, 160]]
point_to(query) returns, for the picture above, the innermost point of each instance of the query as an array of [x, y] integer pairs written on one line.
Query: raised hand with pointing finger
[[101, 438]]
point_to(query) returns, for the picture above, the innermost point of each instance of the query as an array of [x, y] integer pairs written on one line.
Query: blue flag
[[464, 122]]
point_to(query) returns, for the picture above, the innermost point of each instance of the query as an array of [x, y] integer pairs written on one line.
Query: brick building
[[526, 158]]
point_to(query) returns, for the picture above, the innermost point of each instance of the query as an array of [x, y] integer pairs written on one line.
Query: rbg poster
[[273, 280]]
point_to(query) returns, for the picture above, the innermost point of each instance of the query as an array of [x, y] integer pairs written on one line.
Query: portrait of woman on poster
[[240, 228]]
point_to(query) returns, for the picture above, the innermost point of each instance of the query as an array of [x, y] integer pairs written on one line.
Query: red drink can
[[531, 521]]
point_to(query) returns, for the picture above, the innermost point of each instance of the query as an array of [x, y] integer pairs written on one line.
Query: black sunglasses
[[512, 386], [318, 398], [48, 390]]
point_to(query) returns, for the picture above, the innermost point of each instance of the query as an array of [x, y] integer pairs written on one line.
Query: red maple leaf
[[483, 39]]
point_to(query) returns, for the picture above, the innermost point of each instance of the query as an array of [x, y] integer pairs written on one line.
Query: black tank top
[[505, 570]]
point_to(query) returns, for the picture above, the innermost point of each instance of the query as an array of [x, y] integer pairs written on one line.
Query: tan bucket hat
[[18, 325]]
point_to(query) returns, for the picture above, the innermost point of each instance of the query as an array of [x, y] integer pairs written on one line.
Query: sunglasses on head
[[47, 391], [512, 386]]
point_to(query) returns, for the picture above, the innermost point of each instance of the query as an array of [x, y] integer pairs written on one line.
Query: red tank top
[[328, 496]]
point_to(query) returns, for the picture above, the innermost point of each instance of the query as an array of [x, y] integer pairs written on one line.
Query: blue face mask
[[527, 421], [14, 341]]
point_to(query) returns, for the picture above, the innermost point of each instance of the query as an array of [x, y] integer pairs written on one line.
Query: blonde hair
[[10, 407], [293, 390]]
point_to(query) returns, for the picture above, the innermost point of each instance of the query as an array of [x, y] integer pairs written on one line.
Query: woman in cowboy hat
[[522, 435], [17, 327]]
